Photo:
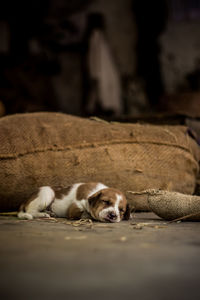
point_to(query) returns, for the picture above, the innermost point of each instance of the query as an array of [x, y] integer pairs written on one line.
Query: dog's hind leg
[[35, 206]]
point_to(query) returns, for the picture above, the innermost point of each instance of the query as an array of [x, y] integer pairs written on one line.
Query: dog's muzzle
[[111, 217]]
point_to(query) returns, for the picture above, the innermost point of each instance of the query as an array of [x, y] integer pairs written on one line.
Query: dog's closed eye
[[107, 202]]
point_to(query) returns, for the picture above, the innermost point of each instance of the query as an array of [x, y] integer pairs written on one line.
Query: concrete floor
[[53, 259]]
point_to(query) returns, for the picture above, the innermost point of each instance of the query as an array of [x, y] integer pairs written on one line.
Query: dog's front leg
[[74, 212], [85, 215]]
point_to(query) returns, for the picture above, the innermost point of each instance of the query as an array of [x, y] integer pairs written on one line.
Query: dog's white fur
[[46, 197]]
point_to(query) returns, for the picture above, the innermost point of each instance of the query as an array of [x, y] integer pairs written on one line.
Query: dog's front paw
[[85, 215], [50, 213]]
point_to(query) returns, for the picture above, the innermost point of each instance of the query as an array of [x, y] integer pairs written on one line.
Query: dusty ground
[[45, 259]]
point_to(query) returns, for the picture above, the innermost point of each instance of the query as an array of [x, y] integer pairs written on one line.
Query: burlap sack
[[173, 205], [57, 149]]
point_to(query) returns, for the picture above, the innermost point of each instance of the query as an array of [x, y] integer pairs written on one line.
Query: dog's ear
[[127, 213], [94, 199]]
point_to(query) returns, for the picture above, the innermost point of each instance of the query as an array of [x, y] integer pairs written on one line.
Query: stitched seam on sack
[[88, 145]]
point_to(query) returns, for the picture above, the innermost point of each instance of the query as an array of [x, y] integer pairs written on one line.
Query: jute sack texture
[[173, 205], [56, 149]]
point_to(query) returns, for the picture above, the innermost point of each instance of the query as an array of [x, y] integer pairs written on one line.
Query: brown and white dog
[[81, 200]]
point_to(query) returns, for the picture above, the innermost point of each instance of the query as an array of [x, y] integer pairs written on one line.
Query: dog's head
[[109, 205]]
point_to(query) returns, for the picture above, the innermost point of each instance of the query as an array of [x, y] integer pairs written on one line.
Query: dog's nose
[[112, 216]]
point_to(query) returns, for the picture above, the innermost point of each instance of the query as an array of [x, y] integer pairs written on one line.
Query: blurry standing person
[[102, 81]]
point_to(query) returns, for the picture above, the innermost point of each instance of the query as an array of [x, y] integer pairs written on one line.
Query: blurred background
[[114, 59]]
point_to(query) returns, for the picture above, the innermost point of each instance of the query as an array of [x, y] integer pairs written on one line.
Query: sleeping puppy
[[81, 200]]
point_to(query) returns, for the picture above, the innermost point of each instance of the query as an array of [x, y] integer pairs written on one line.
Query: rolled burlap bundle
[[173, 205], [56, 149]]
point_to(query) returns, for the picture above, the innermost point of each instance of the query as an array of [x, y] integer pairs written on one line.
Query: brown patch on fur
[[33, 196], [96, 205], [94, 199], [84, 189], [60, 192], [73, 212]]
